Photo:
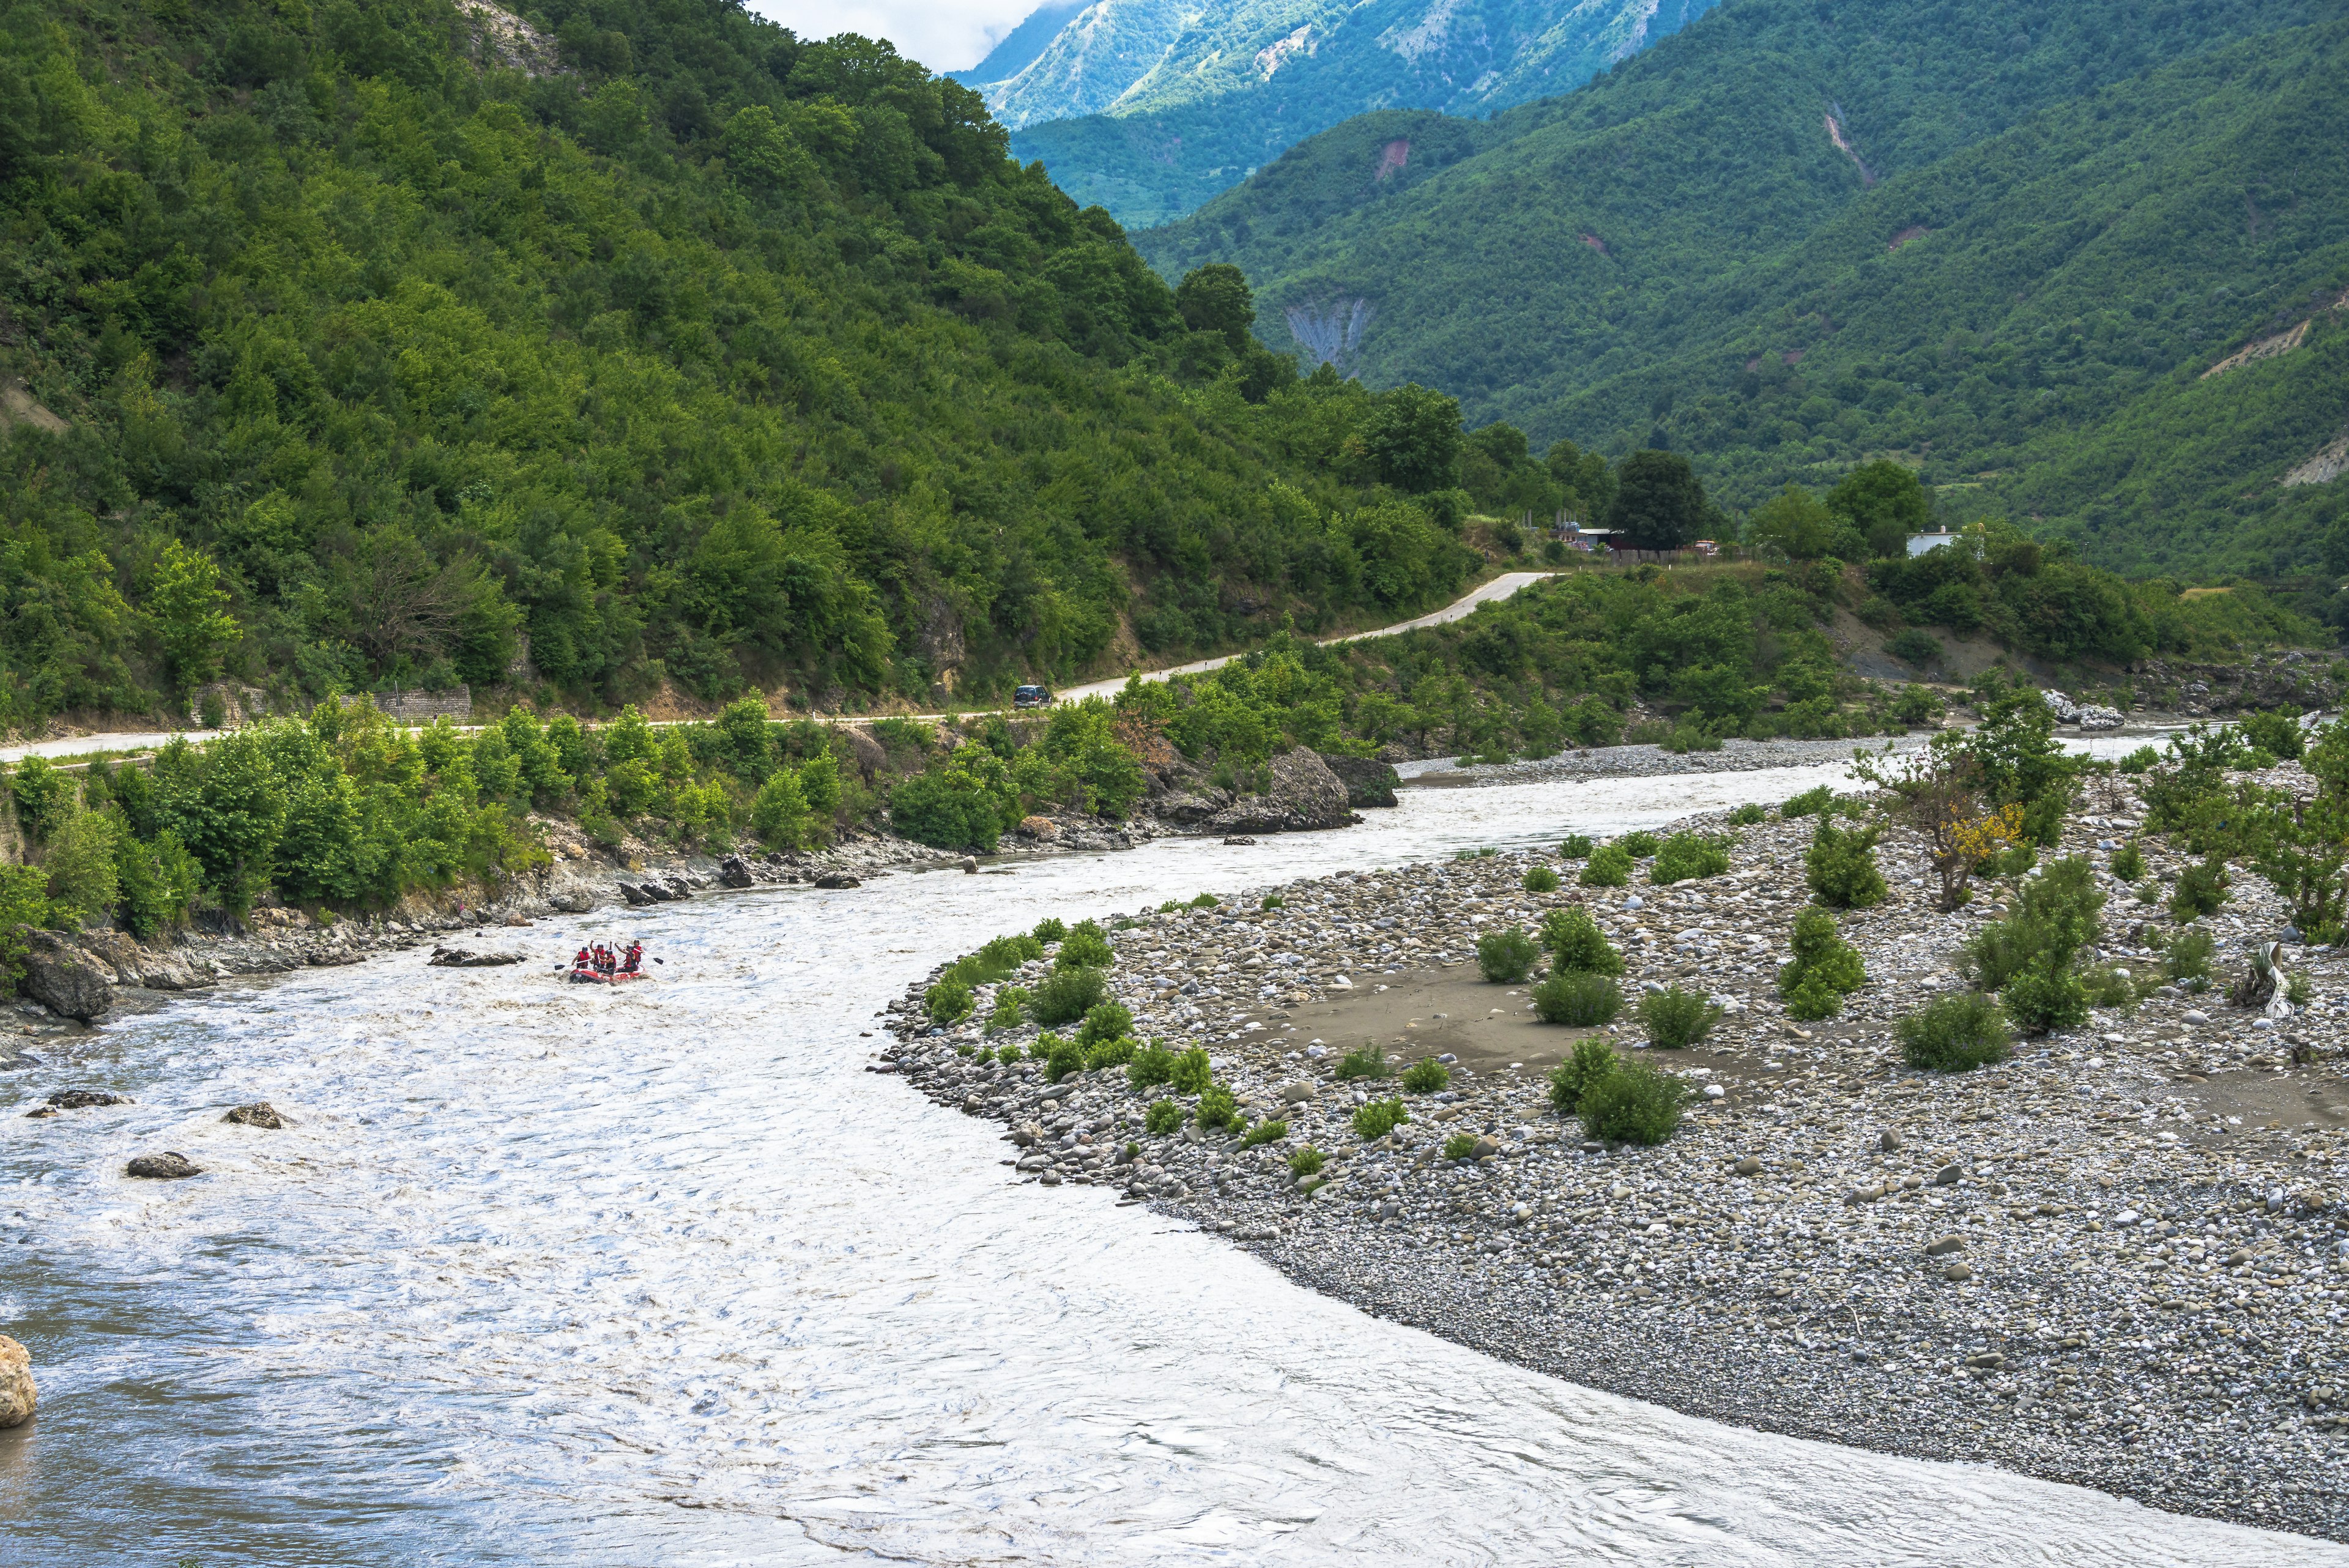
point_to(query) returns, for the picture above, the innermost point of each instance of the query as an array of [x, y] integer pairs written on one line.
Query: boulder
[[635, 895], [63, 979], [735, 872], [1239, 841], [260, 1113], [677, 888], [168, 1166], [1301, 794], [466, 958], [837, 880], [17, 1395], [1042, 827], [82, 1100], [1186, 807], [1368, 781]]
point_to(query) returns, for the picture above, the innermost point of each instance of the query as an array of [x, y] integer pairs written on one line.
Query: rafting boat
[[592, 977]]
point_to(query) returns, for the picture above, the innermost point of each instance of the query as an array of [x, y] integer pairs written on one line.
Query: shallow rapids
[[660, 1275]]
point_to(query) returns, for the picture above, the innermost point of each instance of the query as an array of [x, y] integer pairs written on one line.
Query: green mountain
[[2003, 244], [1149, 107], [353, 345]]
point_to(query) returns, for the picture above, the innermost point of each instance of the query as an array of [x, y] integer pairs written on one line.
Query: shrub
[[1010, 1008], [1274, 901], [2127, 862], [1840, 867], [2300, 991], [1425, 1076], [2108, 987], [1379, 1118], [84, 856], [1915, 647], [780, 818], [1576, 847], [1810, 803], [1264, 1133], [1633, 1104], [1540, 879], [1218, 1108], [1674, 1018], [1152, 1065], [1576, 944], [1084, 948], [1954, 1034], [1008, 1053], [1571, 1079], [1104, 1021], [1048, 929], [1067, 995], [1207, 901], [2144, 760], [1810, 999], [2028, 958], [2277, 733], [1685, 855], [2200, 891], [1061, 1058], [45, 795], [1460, 1146], [1578, 999], [1191, 1070], [1609, 867], [1639, 846], [2188, 961], [948, 1000], [1162, 1117], [1505, 958], [1916, 705], [1746, 815], [1825, 968], [1370, 1062], [1305, 1161]]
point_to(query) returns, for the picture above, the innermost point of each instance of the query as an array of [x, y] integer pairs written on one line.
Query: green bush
[[1061, 1058], [2108, 988], [1010, 1008], [1840, 867], [1104, 1021], [2144, 760], [1576, 847], [1218, 1108], [1273, 902], [1915, 647], [43, 794], [1916, 705], [1048, 929], [1460, 1146], [1578, 999], [1379, 1118], [2277, 733], [1008, 1052], [1810, 803], [1264, 1133], [2187, 960], [1746, 815], [1067, 995], [1086, 946], [1191, 1070], [1609, 866], [83, 864], [1633, 1104], [1687, 855], [1575, 944], [2127, 862], [2028, 957], [1163, 1116], [1505, 958], [1639, 846], [1954, 1034], [948, 1000], [1370, 1062], [1305, 1161], [1540, 879], [1674, 1018], [1592, 1060], [1425, 1076], [2200, 891], [1207, 901], [1825, 968], [1152, 1065]]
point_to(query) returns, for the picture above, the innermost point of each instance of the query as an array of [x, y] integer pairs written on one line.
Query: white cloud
[[944, 35]]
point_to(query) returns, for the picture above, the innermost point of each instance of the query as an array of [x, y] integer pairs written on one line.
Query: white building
[[1920, 543]]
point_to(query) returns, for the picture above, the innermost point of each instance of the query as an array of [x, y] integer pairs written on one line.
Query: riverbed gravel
[[2120, 1259]]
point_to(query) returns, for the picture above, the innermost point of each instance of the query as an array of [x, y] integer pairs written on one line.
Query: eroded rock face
[[62, 978], [1368, 781], [1302, 794], [168, 1166], [17, 1395]]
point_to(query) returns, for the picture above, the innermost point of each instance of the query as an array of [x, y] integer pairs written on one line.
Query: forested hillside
[[1151, 109], [398, 344], [2001, 242]]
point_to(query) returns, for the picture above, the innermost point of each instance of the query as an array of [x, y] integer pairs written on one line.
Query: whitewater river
[[663, 1276]]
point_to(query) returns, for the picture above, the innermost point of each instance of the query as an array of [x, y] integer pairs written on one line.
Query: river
[[662, 1276]]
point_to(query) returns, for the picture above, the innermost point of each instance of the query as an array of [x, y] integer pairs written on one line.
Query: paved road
[[1500, 587]]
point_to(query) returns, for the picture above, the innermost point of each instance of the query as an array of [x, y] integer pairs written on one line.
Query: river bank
[[2116, 1261]]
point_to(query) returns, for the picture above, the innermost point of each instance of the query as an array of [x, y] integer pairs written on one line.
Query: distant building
[[1920, 543], [1575, 537], [1705, 547]]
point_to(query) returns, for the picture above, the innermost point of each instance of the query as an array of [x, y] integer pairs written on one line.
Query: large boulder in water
[[1302, 793], [1368, 781], [735, 872], [17, 1395], [466, 958], [260, 1113], [63, 979], [170, 1165]]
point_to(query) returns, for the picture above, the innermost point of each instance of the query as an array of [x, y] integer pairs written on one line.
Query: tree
[[1885, 502], [1410, 438], [1795, 521], [780, 814], [1941, 789], [1216, 299], [1658, 504], [190, 610]]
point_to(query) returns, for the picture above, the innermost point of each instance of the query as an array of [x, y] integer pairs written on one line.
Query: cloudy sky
[[944, 35]]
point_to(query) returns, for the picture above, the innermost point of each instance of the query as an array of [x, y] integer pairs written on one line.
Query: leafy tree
[[1216, 299], [1658, 503], [779, 815], [1795, 522], [190, 610], [1410, 439], [1885, 502]]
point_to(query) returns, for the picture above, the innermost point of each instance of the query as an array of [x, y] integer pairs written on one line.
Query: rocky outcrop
[[168, 1166], [260, 1113], [2087, 715], [77, 1100], [62, 978], [17, 1395], [735, 872], [1186, 808], [1302, 794], [1368, 781], [833, 879]]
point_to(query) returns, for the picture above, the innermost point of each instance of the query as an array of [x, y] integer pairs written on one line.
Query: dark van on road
[[1032, 697]]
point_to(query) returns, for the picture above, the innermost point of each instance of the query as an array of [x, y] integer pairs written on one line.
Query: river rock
[[635, 895], [17, 1395], [835, 879], [571, 898], [466, 958], [260, 1113], [168, 1166], [1301, 794], [1186, 807], [1369, 782], [62, 978], [735, 872], [82, 1100]]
